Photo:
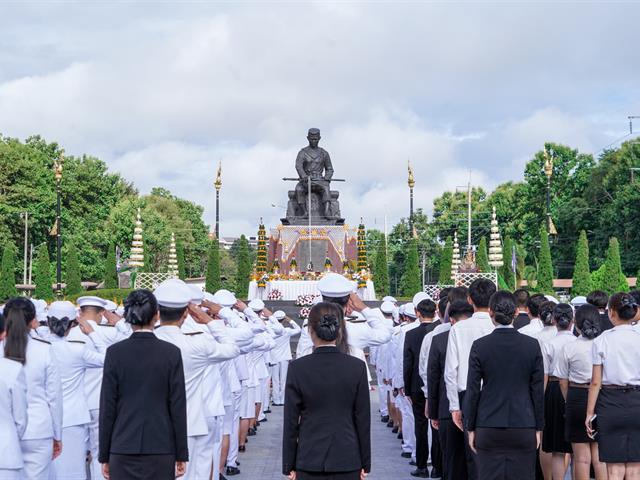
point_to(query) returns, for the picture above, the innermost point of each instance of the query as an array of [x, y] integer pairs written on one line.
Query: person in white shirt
[[73, 358], [378, 357], [42, 440], [533, 310], [614, 394], [281, 356], [549, 329], [574, 371], [461, 337], [13, 420]]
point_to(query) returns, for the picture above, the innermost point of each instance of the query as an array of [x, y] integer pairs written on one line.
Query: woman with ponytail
[[614, 394], [503, 404], [574, 371], [42, 439], [327, 417]]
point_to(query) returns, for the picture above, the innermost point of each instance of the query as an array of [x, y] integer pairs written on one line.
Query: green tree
[[8, 273], [446, 259], [506, 271], [545, 267], [213, 282], [613, 279], [381, 269], [581, 273], [110, 269], [72, 271], [42, 275], [482, 257], [180, 254], [244, 268], [410, 284]]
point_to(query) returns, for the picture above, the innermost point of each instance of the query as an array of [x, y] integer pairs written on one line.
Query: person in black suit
[[522, 302], [143, 407], [426, 311], [503, 407], [327, 415], [600, 300], [454, 464]]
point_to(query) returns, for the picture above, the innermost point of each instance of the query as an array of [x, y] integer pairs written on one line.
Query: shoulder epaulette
[[76, 341], [193, 333], [41, 340], [105, 325]]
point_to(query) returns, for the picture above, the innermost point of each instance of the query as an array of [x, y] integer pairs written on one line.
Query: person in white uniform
[[378, 357], [198, 351], [281, 356], [535, 325], [13, 420], [42, 440], [41, 316], [73, 358]]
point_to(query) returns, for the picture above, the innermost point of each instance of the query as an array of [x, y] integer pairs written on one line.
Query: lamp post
[[549, 154], [412, 183], [57, 168], [218, 185]]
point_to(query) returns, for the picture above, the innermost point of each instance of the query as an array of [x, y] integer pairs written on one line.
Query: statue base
[[314, 221]]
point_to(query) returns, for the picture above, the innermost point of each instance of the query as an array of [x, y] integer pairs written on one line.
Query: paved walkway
[[263, 458]]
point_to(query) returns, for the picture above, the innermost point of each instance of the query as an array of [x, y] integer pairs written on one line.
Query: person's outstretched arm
[[363, 419], [291, 426]]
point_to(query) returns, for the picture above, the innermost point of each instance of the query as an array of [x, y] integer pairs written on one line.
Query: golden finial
[[411, 180], [548, 161], [57, 166], [218, 182]]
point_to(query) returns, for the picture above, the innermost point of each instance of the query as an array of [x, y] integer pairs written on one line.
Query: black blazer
[[412, 344], [509, 365], [605, 322], [143, 407], [327, 416], [521, 320], [438, 401]]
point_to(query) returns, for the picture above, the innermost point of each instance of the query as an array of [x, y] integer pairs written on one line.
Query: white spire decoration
[[455, 259], [136, 259], [173, 258], [495, 245]]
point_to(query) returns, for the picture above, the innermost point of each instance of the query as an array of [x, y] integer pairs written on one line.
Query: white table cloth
[[291, 289]]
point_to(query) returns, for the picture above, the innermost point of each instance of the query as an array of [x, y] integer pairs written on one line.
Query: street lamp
[[549, 155], [218, 185], [57, 169], [412, 183]]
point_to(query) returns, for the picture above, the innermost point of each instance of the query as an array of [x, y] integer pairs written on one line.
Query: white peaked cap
[[209, 297], [225, 298], [90, 301], [110, 306], [579, 301], [197, 295], [389, 298], [387, 307], [420, 296], [173, 295], [62, 309], [279, 314], [41, 309], [256, 305], [335, 286], [551, 298], [409, 310]]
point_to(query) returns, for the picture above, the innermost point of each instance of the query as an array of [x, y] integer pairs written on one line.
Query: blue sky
[[164, 90]]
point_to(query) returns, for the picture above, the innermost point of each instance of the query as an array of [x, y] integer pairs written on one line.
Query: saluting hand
[[214, 308], [85, 327], [112, 317], [240, 306], [198, 314], [355, 304]]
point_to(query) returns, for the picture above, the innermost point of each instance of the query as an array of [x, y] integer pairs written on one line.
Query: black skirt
[[142, 467], [506, 453], [618, 425], [302, 475], [576, 413], [553, 436]]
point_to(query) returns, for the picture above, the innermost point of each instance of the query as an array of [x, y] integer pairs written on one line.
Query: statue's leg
[[301, 198], [326, 199]]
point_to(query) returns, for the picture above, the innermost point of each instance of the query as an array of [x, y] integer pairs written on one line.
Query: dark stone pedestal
[[319, 250]]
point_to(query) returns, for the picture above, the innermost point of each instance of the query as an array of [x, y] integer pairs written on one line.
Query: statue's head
[[314, 137]]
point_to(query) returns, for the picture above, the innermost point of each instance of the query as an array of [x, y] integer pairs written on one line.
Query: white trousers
[[10, 474], [71, 464], [408, 426], [263, 397], [234, 440], [195, 467], [36, 456], [96, 468], [279, 380], [382, 396], [214, 443]]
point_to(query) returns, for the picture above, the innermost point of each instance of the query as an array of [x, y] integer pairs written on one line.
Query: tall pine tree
[[182, 274], [213, 283], [482, 257], [506, 270], [581, 273], [72, 271], [410, 283], [545, 266], [8, 273], [244, 268], [613, 279], [110, 268], [446, 259], [381, 269], [42, 275]]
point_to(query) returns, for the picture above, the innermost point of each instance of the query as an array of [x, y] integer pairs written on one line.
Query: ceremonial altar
[[292, 289]]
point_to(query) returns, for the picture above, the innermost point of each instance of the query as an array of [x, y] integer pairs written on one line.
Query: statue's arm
[[300, 166], [328, 167]]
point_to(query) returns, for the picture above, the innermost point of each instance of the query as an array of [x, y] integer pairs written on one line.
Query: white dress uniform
[[305, 345], [73, 358], [532, 328], [13, 420], [199, 351], [377, 357], [552, 351], [546, 334], [280, 357]]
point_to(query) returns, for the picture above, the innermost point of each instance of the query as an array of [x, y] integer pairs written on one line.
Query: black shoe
[[413, 463], [405, 454], [222, 477], [395, 430], [264, 420], [400, 436], [277, 404], [385, 419], [232, 471], [420, 472], [267, 411], [435, 473], [242, 448], [390, 423], [252, 432]]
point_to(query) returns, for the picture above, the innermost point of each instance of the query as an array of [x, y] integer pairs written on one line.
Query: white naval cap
[[172, 294], [110, 306], [91, 301], [41, 309], [578, 301], [551, 298], [62, 309], [420, 296], [387, 307], [279, 314], [209, 297], [256, 305], [225, 298], [409, 310], [389, 298], [197, 295], [335, 286]]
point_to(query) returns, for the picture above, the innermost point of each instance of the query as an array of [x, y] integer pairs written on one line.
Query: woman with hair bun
[[553, 441], [574, 371], [327, 417], [614, 394], [549, 329], [503, 404]]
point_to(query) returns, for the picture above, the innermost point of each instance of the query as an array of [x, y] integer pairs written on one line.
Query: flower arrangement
[[306, 300], [328, 265], [274, 294], [262, 281], [275, 268], [304, 312]]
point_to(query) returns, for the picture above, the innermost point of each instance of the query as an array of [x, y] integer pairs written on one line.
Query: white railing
[[151, 280]]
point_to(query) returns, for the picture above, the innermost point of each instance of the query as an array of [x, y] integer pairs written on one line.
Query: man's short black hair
[[459, 310], [91, 308], [442, 306], [522, 298], [535, 302], [458, 293], [427, 308], [598, 299], [480, 292], [342, 301], [168, 314], [444, 293]]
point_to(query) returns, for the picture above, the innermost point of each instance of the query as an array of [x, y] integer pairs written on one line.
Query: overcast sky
[[164, 90]]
